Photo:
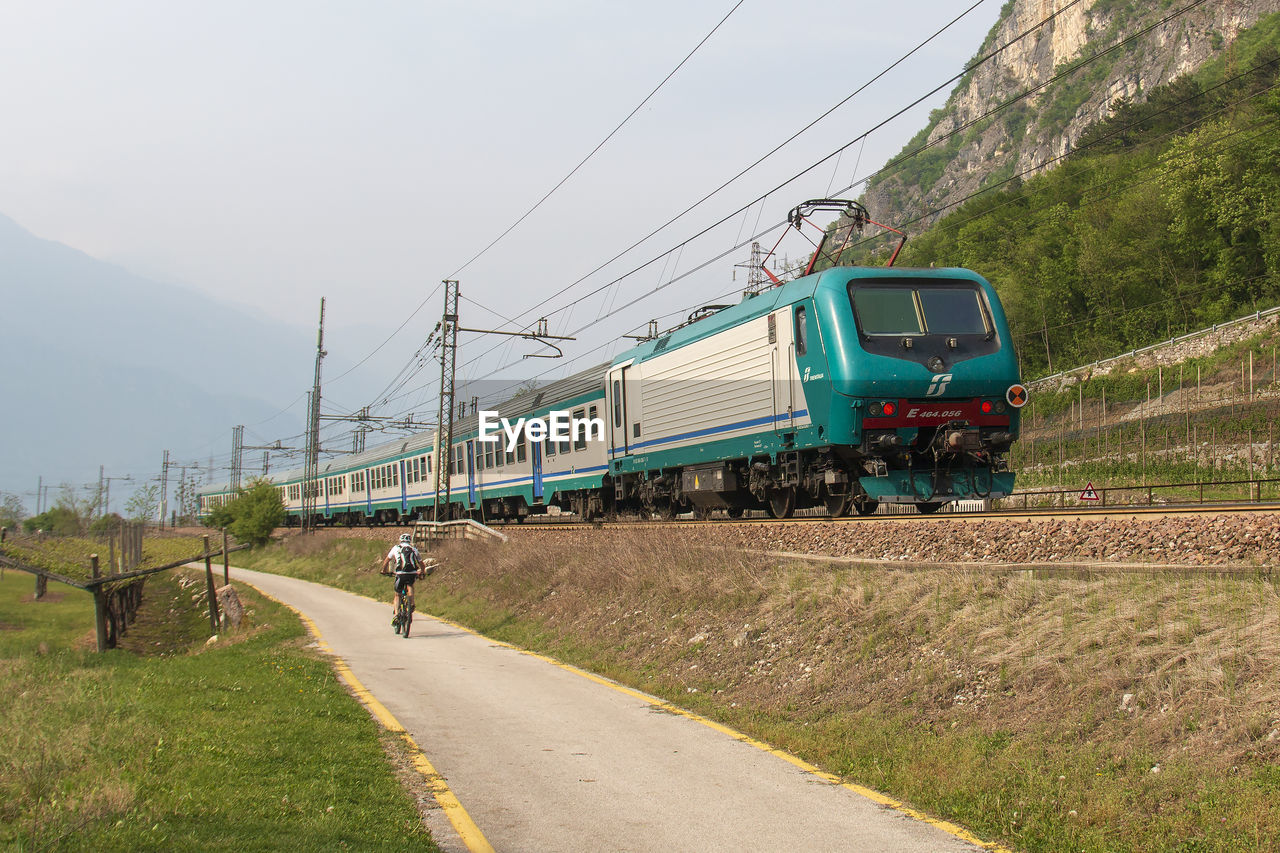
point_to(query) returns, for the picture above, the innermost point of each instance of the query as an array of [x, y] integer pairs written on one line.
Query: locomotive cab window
[[802, 331], [923, 319], [922, 308], [887, 311]]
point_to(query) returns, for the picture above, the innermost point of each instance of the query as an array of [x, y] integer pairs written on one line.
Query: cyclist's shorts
[[403, 582]]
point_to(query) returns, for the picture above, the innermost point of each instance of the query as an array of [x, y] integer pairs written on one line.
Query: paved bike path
[[545, 758]]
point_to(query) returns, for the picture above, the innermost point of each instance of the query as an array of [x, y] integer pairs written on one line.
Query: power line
[[575, 169]]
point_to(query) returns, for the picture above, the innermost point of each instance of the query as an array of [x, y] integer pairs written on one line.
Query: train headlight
[[875, 410]]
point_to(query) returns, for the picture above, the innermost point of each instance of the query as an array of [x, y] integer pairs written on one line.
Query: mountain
[[1093, 57], [99, 366]]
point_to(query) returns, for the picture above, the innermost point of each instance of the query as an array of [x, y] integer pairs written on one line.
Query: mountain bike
[[404, 617]]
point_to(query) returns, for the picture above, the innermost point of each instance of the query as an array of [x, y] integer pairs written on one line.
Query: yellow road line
[[448, 802], [870, 794]]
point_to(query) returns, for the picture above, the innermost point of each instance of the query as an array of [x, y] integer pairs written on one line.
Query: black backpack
[[407, 559]]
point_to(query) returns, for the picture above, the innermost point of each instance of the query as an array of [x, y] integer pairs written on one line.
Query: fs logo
[[938, 386]]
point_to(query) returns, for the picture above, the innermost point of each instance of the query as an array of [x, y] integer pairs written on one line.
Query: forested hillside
[[1165, 218]]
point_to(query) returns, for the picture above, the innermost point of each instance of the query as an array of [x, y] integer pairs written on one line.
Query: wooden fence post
[[226, 559], [213, 596], [99, 605]]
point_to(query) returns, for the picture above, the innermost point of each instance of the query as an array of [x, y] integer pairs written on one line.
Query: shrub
[[252, 515]]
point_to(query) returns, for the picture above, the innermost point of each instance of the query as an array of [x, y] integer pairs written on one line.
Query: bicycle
[[404, 617]]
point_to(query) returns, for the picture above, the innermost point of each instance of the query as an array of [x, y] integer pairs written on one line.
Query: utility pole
[[755, 270], [448, 369], [40, 494], [237, 455], [449, 329], [106, 503], [312, 471], [164, 488]]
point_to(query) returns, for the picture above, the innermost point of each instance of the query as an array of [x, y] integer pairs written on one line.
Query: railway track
[[569, 521]]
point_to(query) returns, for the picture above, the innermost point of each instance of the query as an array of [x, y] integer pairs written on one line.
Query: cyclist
[[408, 568]]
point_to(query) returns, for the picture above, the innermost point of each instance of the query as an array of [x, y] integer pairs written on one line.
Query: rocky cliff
[[1119, 49]]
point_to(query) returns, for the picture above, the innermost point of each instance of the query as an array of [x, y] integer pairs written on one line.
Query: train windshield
[[919, 308]]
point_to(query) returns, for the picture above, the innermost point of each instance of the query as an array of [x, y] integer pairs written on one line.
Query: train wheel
[[736, 511], [928, 507], [665, 508], [837, 505], [782, 502]]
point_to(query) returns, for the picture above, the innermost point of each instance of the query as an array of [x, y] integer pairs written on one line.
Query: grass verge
[[1108, 713], [250, 743]]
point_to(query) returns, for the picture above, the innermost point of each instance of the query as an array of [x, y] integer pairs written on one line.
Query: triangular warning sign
[[1089, 494]]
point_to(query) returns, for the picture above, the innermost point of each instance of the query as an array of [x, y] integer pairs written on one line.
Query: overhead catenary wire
[[602, 143]]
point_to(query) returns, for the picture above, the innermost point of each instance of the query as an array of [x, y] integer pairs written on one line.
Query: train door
[[471, 474], [619, 443], [324, 484], [535, 459], [404, 488], [783, 358]]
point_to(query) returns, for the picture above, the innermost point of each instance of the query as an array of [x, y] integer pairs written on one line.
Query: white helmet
[[406, 539]]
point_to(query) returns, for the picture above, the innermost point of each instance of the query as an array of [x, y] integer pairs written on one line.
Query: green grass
[[248, 744]]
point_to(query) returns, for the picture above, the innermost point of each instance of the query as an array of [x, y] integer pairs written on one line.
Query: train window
[[549, 448], [887, 311], [802, 332], [521, 453], [952, 311], [617, 403], [580, 437], [395, 475], [499, 458]]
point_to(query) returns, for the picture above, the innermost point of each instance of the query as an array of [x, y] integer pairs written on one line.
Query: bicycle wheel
[[406, 618]]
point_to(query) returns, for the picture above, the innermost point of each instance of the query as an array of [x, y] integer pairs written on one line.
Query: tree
[[12, 510], [252, 515], [144, 502]]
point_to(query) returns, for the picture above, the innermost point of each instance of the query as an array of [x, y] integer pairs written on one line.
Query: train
[[847, 388]]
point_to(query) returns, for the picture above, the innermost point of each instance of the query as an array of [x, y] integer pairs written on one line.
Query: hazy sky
[[271, 153]]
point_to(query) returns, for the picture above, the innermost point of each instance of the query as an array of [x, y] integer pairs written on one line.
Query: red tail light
[[890, 409]]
